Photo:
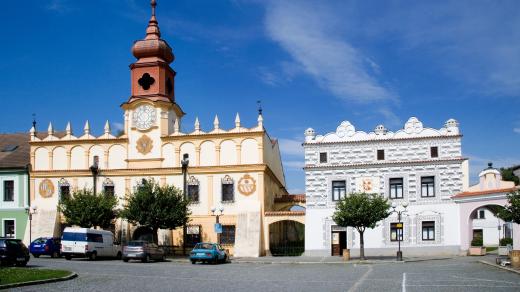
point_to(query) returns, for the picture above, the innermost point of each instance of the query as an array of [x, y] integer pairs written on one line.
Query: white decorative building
[[421, 166]]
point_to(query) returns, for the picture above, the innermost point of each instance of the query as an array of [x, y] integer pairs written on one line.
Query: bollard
[[346, 254]]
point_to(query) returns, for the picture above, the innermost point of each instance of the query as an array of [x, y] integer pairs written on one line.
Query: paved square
[[461, 274]]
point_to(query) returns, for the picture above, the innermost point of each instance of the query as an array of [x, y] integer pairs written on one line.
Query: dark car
[[208, 253], [46, 246], [142, 250], [13, 252]]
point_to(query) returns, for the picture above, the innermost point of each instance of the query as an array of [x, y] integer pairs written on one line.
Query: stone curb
[[427, 259], [351, 262], [499, 267], [38, 282]]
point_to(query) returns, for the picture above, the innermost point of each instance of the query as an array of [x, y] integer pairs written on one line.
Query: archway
[[286, 238], [143, 233], [486, 228]]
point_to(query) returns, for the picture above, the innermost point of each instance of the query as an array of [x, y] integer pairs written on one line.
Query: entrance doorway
[[338, 242]]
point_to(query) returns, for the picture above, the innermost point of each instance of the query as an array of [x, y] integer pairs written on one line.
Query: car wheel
[[68, 257], [163, 258], [125, 260], [118, 256], [146, 259], [36, 255], [225, 259], [54, 255], [93, 256], [193, 262], [215, 260]]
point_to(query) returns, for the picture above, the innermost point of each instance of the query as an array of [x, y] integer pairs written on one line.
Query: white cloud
[[516, 130], [479, 163], [296, 191], [294, 164], [60, 6], [291, 147], [311, 35], [477, 42], [117, 126]]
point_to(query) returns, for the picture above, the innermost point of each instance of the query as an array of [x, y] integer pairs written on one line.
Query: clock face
[[144, 117]]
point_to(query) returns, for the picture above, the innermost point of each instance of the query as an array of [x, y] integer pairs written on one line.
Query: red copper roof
[[284, 213], [296, 198], [486, 192]]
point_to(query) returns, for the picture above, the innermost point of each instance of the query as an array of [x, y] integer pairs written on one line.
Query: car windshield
[[136, 243], [204, 246], [40, 240], [2, 243]]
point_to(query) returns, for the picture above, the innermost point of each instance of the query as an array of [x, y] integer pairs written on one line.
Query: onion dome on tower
[[152, 46]]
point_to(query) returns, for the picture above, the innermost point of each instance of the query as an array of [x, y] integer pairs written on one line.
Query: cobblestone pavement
[[459, 274]]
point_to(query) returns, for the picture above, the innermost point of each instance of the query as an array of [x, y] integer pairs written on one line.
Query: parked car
[[142, 250], [208, 252], [90, 243], [13, 252], [46, 246]]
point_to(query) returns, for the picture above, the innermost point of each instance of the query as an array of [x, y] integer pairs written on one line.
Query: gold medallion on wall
[[46, 188], [246, 185], [144, 145]]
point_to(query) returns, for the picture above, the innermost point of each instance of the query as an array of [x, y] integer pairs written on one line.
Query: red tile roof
[[296, 198], [285, 213], [486, 192]]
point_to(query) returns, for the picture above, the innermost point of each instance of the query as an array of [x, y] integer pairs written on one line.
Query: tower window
[[169, 86], [146, 81]]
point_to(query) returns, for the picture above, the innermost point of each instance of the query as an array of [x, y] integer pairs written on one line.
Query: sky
[[311, 63]]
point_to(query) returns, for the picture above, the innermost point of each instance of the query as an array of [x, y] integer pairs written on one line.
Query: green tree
[[511, 212], [156, 207], [508, 174], [361, 211], [88, 210]]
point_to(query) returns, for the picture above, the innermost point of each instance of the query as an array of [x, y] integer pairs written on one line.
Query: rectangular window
[[8, 190], [427, 186], [380, 154], [396, 231], [228, 194], [428, 230], [481, 214], [323, 157], [193, 193], [396, 188], [9, 229], [65, 192], [339, 190], [109, 190], [228, 234], [434, 152]]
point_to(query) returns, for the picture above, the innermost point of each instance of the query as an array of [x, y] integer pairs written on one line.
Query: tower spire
[[152, 31]]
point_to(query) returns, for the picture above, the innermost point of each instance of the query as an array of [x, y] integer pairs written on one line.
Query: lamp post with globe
[[399, 211]]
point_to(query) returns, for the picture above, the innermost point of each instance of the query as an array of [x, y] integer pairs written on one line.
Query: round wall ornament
[[144, 145], [246, 185], [46, 188]]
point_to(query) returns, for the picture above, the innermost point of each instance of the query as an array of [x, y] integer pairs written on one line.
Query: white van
[[91, 243]]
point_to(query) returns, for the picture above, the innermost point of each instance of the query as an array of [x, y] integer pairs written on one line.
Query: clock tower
[[151, 111]]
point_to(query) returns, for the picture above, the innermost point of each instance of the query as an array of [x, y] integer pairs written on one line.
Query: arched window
[[193, 189], [108, 187], [228, 189], [64, 187]]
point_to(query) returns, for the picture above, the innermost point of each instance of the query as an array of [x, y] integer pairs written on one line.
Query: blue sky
[[312, 63]]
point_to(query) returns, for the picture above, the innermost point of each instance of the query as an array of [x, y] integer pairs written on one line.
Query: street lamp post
[[94, 169], [217, 219], [30, 211], [400, 232], [184, 163]]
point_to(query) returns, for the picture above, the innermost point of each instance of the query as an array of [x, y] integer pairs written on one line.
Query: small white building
[[421, 166]]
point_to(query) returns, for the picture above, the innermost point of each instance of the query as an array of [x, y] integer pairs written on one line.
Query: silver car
[[142, 250]]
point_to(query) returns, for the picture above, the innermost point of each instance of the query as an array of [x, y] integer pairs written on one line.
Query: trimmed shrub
[[505, 241], [477, 241]]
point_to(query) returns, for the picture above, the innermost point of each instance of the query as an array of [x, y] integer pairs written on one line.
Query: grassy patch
[[17, 275], [491, 248]]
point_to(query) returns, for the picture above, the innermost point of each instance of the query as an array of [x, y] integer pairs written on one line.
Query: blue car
[[45, 246], [208, 253]]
